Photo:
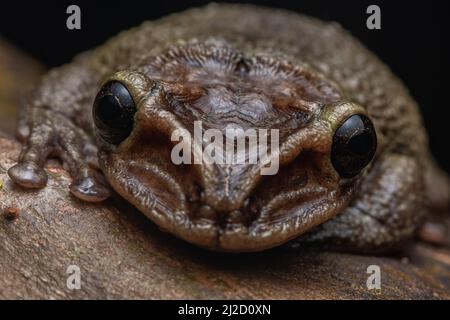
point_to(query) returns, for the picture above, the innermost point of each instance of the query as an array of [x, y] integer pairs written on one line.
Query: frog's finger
[[87, 184], [90, 188], [29, 172]]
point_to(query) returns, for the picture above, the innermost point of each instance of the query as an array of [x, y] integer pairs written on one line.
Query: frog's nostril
[[196, 194], [206, 212]]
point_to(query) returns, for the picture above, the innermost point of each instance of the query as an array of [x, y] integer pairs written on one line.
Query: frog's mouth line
[[161, 198]]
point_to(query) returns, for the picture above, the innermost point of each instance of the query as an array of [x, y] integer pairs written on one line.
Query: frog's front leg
[[46, 132], [386, 211]]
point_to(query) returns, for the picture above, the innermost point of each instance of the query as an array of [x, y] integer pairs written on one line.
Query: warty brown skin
[[256, 68]]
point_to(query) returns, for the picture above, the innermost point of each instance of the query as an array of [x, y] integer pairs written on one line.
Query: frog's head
[[324, 144]]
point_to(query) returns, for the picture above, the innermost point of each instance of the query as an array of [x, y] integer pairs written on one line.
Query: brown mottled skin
[[256, 68]]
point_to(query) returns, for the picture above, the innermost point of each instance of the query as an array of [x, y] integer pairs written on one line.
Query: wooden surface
[[121, 254]]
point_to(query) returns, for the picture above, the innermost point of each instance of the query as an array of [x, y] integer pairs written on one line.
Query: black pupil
[[109, 108], [354, 145], [113, 112], [361, 143]]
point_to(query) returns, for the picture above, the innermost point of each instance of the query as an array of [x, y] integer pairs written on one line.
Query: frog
[[355, 169]]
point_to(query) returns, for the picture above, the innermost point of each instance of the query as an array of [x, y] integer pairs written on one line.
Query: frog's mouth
[[161, 196]]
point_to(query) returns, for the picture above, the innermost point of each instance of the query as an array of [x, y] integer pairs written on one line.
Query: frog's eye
[[354, 145], [113, 112]]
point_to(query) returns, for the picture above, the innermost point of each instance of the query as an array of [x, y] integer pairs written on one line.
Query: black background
[[413, 40]]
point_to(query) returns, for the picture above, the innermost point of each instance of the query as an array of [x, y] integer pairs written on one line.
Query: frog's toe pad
[[28, 175], [90, 189]]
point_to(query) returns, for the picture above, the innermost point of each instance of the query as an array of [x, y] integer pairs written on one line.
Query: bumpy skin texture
[[256, 68]]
